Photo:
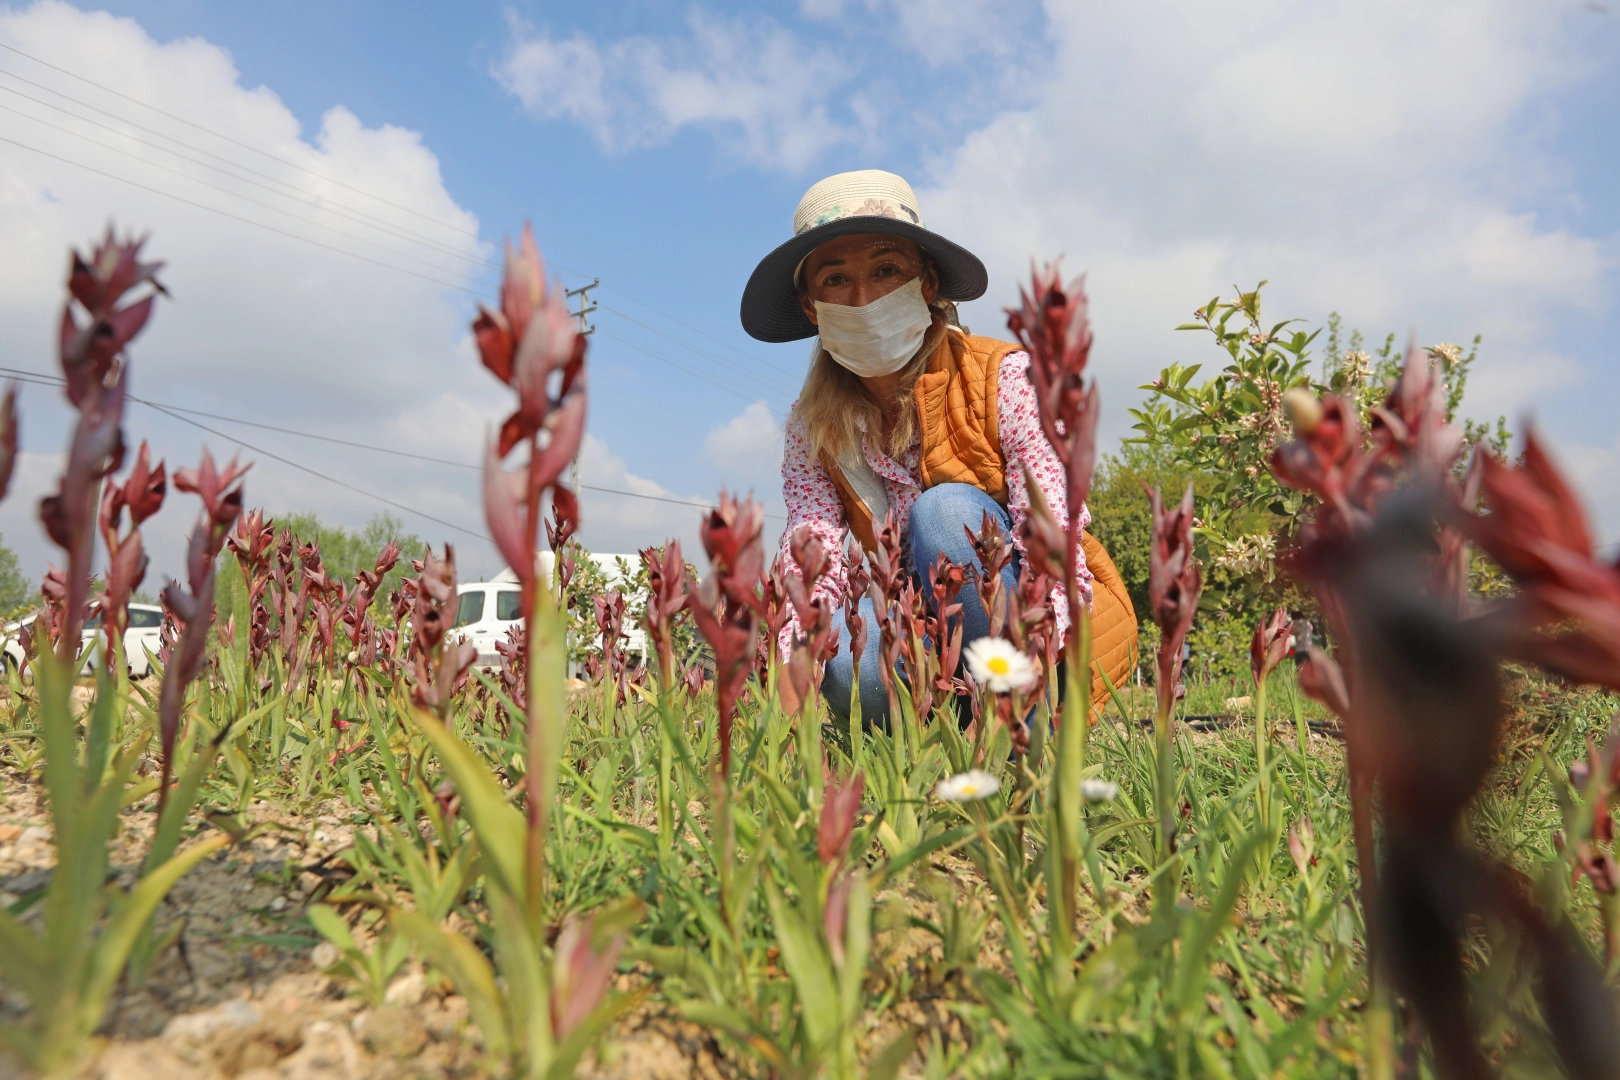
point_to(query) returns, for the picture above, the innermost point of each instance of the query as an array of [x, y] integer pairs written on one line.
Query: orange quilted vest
[[961, 444]]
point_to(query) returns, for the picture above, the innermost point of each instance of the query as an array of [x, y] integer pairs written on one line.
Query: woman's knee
[[939, 516]]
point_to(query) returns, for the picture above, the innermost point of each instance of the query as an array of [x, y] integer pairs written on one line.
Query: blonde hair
[[835, 406]]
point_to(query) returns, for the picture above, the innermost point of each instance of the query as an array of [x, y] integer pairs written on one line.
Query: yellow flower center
[[998, 665], [970, 789]]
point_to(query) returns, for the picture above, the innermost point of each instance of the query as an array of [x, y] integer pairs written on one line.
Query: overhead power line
[[678, 367], [704, 333], [312, 472], [292, 191], [42, 379], [227, 138], [237, 217], [770, 381], [238, 195]]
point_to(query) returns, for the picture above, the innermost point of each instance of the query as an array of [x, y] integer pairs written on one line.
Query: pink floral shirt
[[813, 500]]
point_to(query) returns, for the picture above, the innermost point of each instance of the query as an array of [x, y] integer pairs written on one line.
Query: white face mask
[[880, 338]]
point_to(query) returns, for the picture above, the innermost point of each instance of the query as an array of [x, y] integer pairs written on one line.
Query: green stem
[[855, 740], [1262, 755], [1164, 798], [666, 753], [998, 873]]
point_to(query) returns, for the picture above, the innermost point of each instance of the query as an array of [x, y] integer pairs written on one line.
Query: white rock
[[324, 955], [278, 904], [200, 1025], [34, 834], [407, 990]]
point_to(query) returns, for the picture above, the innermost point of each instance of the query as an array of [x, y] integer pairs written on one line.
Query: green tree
[[1120, 515], [1226, 427], [16, 591]]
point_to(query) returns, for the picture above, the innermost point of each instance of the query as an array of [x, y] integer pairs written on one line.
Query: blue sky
[[1438, 167]]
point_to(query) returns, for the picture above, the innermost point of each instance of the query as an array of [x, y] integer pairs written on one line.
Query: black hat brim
[[770, 302]]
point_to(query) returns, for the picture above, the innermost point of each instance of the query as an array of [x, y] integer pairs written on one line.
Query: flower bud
[[1303, 409]]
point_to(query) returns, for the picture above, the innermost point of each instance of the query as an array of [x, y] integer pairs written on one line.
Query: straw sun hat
[[868, 201]]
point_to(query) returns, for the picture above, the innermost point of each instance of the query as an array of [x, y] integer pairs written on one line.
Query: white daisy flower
[[971, 786], [1000, 665], [1098, 790]]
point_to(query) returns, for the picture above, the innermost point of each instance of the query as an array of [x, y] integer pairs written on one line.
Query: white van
[[140, 639], [487, 610]]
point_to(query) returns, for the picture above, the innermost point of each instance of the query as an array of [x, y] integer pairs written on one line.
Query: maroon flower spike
[[220, 491], [666, 600], [98, 284], [995, 554], [888, 583], [945, 582], [142, 493], [366, 584], [727, 607], [857, 581], [816, 643], [841, 805], [774, 643], [1327, 459], [610, 628], [1269, 645], [693, 679], [1568, 608], [194, 605], [89, 350], [440, 660], [1053, 327], [1174, 582], [1411, 425], [531, 339]]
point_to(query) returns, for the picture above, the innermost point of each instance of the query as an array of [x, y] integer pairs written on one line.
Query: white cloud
[[261, 325], [747, 452], [623, 523], [1374, 159], [750, 81]]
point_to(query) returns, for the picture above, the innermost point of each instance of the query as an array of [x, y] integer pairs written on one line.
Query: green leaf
[[23, 956], [715, 1015], [330, 925], [807, 962], [886, 1066], [948, 838], [502, 832]]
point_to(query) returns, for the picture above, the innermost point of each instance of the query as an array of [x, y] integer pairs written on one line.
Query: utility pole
[[586, 306]]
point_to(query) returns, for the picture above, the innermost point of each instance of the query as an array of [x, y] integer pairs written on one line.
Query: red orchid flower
[[1269, 645], [1174, 582]]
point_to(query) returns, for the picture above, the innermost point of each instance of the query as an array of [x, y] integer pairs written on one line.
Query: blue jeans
[[937, 523]]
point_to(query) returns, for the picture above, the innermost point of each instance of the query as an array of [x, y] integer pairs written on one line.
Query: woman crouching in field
[[904, 411]]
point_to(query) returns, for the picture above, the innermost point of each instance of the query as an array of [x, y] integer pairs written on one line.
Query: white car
[[140, 639], [487, 610]]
